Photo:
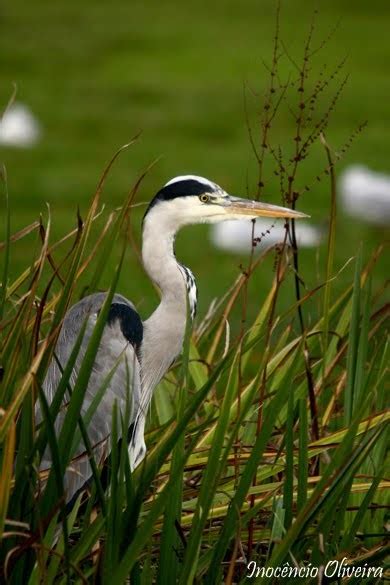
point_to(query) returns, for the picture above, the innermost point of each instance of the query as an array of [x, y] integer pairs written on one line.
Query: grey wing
[[117, 356]]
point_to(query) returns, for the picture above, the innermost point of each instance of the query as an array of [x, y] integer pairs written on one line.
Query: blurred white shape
[[236, 236], [365, 194], [18, 127]]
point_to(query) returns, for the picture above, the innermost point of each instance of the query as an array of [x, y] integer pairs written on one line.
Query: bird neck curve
[[164, 330], [173, 279]]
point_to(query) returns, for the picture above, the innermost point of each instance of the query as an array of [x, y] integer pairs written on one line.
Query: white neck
[[164, 330]]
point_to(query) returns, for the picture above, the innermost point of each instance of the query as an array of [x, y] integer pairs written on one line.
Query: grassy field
[[95, 76]]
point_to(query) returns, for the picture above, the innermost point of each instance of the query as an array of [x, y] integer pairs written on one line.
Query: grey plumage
[[116, 356]]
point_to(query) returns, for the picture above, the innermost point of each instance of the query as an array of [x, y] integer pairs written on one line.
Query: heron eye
[[204, 198]]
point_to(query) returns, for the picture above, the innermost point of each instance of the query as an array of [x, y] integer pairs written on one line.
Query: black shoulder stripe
[[130, 322]]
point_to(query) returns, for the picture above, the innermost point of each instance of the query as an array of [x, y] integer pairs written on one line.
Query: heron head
[[190, 199]]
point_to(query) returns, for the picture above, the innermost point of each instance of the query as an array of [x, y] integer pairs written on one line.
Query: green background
[[96, 73]]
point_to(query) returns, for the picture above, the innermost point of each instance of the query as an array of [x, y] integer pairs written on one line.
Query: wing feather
[[117, 356]]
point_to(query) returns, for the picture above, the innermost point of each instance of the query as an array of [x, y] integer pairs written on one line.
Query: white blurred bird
[[365, 194], [236, 236], [18, 127]]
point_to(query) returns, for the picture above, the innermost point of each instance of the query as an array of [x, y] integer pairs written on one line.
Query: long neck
[[165, 329]]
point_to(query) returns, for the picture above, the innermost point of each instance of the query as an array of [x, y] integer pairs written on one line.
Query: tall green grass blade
[[170, 540], [6, 464], [362, 351], [330, 253], [196, 369], [7, 240], [279, 521], [111, 552], [57, 472], [163, 403], [303, 454], [289, 470], [353, 343]]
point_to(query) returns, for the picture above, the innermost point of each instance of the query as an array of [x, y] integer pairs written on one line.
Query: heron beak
[[236, 206]]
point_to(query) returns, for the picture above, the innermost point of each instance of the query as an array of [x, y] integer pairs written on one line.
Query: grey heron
[[147, 348]]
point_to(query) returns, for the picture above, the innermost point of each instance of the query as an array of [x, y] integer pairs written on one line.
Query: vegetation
[[267, 441]]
